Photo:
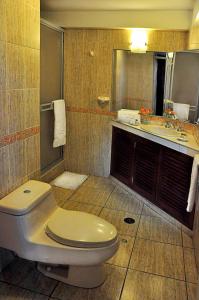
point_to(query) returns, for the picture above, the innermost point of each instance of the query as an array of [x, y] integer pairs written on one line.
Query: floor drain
[[27, 191], [124, 241], [129, 220]]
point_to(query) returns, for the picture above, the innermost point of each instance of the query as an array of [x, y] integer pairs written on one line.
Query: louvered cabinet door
[[145, 168], [122, 155], [173, 184]]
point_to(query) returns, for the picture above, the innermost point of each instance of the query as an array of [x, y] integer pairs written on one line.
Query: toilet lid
[[80, 229]]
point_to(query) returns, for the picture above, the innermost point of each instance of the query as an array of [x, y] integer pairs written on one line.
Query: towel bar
[[46, 106]]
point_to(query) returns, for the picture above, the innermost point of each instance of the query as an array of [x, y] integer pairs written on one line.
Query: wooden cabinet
[[173, 184], [160, 174], [122, 155], [145, 167]]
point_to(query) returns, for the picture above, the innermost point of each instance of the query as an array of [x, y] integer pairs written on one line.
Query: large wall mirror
[[147, 79]]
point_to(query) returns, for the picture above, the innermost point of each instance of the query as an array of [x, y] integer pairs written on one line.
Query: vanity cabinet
[[122, 155], [145, 168], [173, 184], [158, 173]]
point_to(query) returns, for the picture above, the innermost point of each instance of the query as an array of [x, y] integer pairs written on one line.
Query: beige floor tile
[[190, 265], [158, 258], [124, 201], [187, 240], [74, 205], [110, 290], [143, 286], [122, 257], [8, 292], [61, 195], [158, 229], [116, 218], [24, 274], [192, 291], [100, 183], [91, 195], [147, 211], [154, 211]]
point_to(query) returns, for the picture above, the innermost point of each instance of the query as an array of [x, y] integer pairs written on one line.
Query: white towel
[[69, 180], [128, 115], [193, 185], [60, 123], [181, 110]]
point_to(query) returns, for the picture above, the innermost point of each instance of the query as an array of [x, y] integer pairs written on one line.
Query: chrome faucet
[[180, 128], [168, 124]]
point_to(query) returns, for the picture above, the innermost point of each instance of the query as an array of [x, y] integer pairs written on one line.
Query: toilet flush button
[[27, 191]]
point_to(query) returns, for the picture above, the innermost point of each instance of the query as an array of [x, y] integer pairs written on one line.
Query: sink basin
[[160, 130]]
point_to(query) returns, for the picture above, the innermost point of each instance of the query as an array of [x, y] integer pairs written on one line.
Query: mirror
[[147, 79]]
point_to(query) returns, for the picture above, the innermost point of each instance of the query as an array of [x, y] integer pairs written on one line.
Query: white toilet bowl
[[70, 246]]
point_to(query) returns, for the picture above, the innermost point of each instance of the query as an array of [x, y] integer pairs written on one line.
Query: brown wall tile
[[33, 153], [89, 139], [32, 70], [16, 112], [17, 164], [32, 26], [77, 144], [100, 144], [4, 167], [15, 66], [3, 20], [32, 108], [4, 116], [15, 21], [34, 3], [3, 65], [19, 92]]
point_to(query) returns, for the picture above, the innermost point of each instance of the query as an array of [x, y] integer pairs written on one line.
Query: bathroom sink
[[160, 130]]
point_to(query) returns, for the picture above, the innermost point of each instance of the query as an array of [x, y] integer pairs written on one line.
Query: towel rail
[[46, 106]]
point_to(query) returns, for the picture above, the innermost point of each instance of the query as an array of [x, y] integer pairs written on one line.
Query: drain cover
[[129, 220], [124, 241], [27, 191]]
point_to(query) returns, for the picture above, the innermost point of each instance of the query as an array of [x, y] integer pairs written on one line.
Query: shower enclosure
[[51, 74]]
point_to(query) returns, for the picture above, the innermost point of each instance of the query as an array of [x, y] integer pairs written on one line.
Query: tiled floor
[[155, 260]]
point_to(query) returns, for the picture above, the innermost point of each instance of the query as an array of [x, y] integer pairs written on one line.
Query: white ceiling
[[62, 5]]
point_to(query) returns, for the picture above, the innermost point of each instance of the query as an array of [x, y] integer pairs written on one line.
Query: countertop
[[190, 147]]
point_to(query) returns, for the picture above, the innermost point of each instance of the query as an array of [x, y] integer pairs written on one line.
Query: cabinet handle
[[134, 145]]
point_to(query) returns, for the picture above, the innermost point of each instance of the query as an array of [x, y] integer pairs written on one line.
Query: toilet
[[69, 246]]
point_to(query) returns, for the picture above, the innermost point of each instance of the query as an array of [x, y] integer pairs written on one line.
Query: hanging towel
[[60, 123], [193, 185]]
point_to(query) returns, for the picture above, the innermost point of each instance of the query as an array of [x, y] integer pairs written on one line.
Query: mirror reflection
[[165, 83]]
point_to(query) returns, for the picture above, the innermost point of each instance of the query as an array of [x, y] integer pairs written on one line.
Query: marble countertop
[[190, 147]]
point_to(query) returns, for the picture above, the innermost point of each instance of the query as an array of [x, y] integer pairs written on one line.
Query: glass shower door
[[51, 73]]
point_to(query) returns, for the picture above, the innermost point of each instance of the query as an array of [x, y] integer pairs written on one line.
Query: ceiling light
[[139, 39]]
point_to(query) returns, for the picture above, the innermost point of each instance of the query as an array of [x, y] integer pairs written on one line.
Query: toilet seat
[[80, 229]]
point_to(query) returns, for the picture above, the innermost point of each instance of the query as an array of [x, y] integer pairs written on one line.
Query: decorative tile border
[[12, 138], [96, 111]]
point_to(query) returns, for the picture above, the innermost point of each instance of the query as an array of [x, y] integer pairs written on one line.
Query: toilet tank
[[25, 198], [24, 211]]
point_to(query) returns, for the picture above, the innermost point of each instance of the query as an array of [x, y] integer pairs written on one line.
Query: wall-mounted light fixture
[[139, 39]]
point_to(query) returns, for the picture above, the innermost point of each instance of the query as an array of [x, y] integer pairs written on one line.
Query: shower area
[[51, 88]]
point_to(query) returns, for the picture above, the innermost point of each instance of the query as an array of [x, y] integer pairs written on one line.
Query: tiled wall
[[88, 145], [140, 80], [19, 92]]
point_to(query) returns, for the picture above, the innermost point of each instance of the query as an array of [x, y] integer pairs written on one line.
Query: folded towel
[[128, 115], [60, 123], [193, 185], [181, 110]]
